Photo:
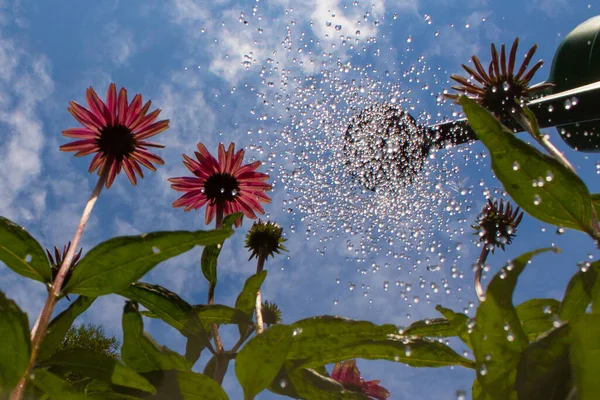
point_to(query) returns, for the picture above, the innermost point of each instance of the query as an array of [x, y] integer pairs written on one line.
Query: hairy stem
[[221, 365], [41, 325], [479, 269], [258, 307]]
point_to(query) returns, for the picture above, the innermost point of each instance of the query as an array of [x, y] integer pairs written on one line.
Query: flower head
[[116, 131], [271, 313], [224, 183], [347, 373], [265, 238], [57, 260], [499, 89], [497, 224]]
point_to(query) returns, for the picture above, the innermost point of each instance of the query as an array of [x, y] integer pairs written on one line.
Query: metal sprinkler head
[[384, 145]]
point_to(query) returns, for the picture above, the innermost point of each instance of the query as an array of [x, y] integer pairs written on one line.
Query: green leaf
[[536, 316], [584, 336], [259, 361], [578, 294], [168, 306], [113, 265], [193, 386], [565, 201], [309, 384], [246, 300], [219, 314], [416, 353], [15, 346], [59, 326], [543, 372], [99, 366], [497, 337], [22, 253], [459, 320], [55, 387], [317, 335], [455, 324], [141, 352], [210, 254]]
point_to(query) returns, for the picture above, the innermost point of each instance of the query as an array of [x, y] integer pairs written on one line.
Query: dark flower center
[[501, 97], [220, 188], [116, 141]]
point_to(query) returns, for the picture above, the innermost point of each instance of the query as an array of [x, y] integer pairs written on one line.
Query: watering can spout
[[572, 105]]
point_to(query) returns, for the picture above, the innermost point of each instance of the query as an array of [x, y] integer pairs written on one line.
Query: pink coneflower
[[224, 185], [347, 374], [116, 131]]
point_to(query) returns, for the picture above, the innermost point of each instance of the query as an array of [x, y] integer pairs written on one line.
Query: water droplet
[[483, 370], [409, 39], [549, 176], [547, 309], [407, 351], [550, 108], [516, 166], [560, 230], [537, 200]]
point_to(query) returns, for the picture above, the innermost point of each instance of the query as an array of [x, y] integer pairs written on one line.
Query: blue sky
[[238, 71]]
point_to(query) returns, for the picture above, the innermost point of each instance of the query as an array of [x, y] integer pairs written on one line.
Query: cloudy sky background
[[232, 71]]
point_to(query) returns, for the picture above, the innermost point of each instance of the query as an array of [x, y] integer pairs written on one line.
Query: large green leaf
[[15, 346], [54, 387], [584, 336], [194, 386], [309, 384], [259, 361], [319, 334], [497, 337], [22, 253], [536, 316], [578, 294], [246, 300], [220, 314], [99, 366], [113, 265], [141, 352], [455, 324], [543, 372], [416, 353], [59, 326], [210, 254], [561, 199], [169, 307]]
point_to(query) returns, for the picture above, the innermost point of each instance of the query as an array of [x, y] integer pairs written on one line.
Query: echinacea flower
[[271, 313], [116, 131], [57, 260], [499, 89], [497, 224], [264, 238], [348, 375], [225, 186]]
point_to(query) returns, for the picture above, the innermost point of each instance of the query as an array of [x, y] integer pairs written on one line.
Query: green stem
[[39, 330], [258, 306], [220, 364], [479, 269]]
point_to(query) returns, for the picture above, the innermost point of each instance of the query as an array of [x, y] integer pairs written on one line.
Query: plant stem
[[220, 366], [41, 325], [480, 264], [259, 318], [534, 131]]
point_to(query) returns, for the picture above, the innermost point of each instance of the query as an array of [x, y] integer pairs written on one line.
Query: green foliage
[[141, 352], [99, 366], [54, 387], [210, 254], [309, 384], [220, 314], [60, 326], [246, 300], [544, 372], [453, 325], [584, 337], [498, 338], [536, 316], [113, 265], [90, 337], [15, 346], [261, 358], [562, 199], [22, 253], [578, 294]]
